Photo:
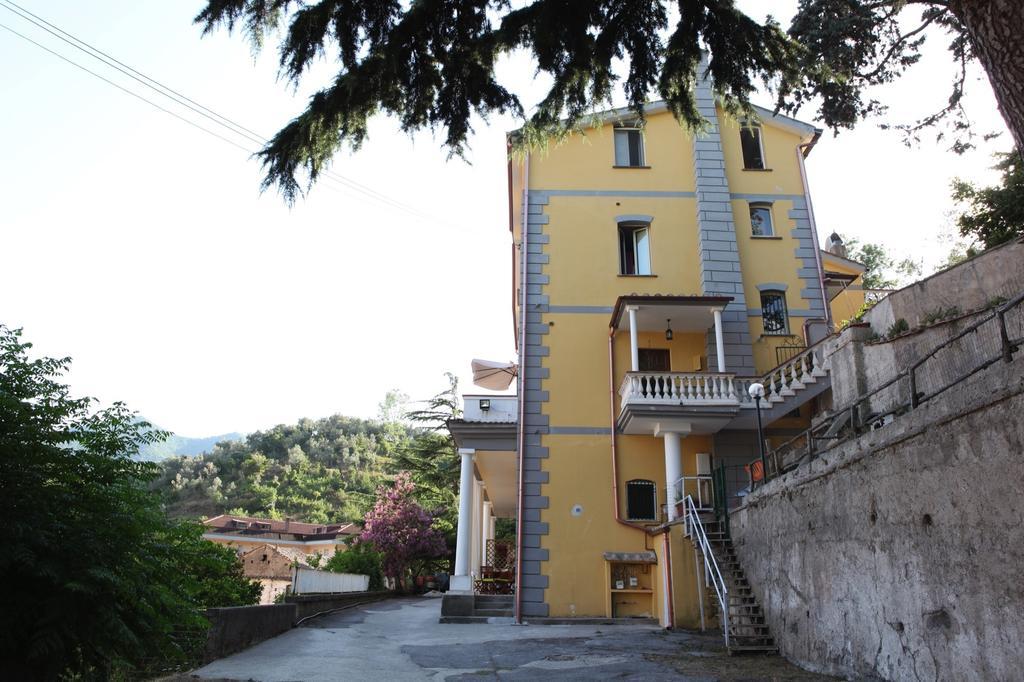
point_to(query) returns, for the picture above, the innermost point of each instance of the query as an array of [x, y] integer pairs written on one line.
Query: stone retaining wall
[[900, 554]]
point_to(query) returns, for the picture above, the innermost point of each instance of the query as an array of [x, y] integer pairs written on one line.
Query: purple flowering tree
[[400, 529]]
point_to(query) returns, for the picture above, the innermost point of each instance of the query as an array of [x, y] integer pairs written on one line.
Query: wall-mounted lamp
[[668, 330], [485, 404]]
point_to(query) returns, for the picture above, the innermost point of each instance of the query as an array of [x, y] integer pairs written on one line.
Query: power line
[[181, 99], [124, 89], [147, 101], [142, 78]]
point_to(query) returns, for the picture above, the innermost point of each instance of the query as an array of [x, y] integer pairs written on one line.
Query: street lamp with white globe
[[756, 392]]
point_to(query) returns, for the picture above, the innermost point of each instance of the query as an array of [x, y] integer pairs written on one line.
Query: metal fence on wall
[[994, 338]]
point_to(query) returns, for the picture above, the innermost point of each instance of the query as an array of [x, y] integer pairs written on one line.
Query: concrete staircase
[[486, 608], [493, 605], [748, 630]]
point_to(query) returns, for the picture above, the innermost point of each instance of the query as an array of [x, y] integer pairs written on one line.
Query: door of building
[[654, 360]]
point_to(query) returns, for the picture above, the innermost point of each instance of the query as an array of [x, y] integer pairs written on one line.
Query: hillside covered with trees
[[318, 471]]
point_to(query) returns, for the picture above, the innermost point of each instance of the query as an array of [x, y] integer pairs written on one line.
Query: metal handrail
[[702, 480], [1008, 347], [695, 529]]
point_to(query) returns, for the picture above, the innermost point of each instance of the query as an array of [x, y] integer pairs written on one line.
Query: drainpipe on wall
[[667, 567], [668, 579], [615, 458], [800, 151], [520, 389]]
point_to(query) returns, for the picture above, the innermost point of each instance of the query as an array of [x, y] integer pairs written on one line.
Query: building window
[[629, 147], [761, 220], [753, 152], [634, 249], [773, 312], [641, 500]]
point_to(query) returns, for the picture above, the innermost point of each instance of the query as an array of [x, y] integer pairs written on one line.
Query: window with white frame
[[761, 220], [634, 249], [773, 313], [629, 147], [641, 500], [753, 150]]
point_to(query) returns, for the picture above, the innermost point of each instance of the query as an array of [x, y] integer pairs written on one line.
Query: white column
[[464, 538], [485, 532], [490, 531], [478, 512], [673, 469], [634, 347], [719, 341]]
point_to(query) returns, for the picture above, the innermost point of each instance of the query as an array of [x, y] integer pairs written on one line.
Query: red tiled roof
[[251, 525]]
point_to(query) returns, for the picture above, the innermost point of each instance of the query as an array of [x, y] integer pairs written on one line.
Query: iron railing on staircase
[[695, 531]]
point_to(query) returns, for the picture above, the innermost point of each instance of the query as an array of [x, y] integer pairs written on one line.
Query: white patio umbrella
[[495, 376]]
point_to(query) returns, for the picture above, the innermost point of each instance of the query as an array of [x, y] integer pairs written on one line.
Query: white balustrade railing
[[722, 388], [678, 388], [786, 379]]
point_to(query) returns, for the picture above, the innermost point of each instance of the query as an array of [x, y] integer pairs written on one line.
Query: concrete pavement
[[400, 639]]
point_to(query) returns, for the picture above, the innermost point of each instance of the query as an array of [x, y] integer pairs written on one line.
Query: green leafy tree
[[216, 575], [882, 270], [431, 63], [320, 471], [359, 558], [993, 215], [97, 581]]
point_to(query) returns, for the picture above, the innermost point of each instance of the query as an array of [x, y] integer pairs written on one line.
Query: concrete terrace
[[401, 639]]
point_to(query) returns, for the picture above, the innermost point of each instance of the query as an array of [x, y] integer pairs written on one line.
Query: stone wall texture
[[899, 555], [239, 627]]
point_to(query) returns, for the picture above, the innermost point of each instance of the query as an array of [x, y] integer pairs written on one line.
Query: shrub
[[898, 327], [361, 559]]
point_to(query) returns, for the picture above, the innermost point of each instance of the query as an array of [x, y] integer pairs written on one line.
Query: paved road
[[401, 639]]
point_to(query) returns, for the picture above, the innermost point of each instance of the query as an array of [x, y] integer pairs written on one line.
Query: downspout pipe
[[802, 151], [521, 388], [615, 457], [667, 553]]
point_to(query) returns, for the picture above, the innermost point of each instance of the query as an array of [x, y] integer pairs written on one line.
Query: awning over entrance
[[688, 313]]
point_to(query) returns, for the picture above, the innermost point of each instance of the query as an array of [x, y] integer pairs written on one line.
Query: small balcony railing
[[679, 388]]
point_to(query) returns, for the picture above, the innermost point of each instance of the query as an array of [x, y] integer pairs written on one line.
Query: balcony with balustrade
[[655, 396]]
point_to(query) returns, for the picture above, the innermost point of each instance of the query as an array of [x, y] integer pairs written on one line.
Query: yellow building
[[659, 277]]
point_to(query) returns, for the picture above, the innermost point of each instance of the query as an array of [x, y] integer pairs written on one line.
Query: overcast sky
[[142, 247]]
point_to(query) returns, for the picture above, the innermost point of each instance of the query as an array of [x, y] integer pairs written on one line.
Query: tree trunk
[[994, 28]]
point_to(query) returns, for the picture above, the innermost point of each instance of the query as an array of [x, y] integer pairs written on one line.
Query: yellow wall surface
[[780, 148], [848, 302], [586, 160], [580, 473], [584, 250], [583, 272]]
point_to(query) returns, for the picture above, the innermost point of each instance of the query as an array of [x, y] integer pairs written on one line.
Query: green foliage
[[431, 64], [939, 314], [216, 575], [993, 215], [504, 529], [882, 271], [361, 559], [318, 471], [852, 46], [898, 327], [97, 581], [857, 316]]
